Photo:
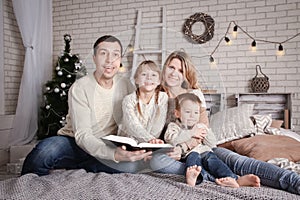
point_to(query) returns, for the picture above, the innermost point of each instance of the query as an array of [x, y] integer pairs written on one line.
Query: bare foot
[[228, 182], [191, 175], [249, 180]]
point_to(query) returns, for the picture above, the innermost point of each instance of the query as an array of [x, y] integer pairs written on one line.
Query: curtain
[[34, 18]]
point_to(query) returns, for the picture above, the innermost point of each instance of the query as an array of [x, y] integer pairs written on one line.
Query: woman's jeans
[[269, 174], [212, 166], [62, 152]]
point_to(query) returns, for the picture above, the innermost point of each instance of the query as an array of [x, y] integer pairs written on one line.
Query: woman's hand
[[121, 154], [156, 141], [176, 153]]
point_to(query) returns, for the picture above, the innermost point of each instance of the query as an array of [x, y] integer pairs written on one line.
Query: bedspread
[[78, 184]]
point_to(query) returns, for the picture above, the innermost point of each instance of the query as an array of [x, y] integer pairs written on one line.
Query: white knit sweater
[[95, 112], [148, 125]]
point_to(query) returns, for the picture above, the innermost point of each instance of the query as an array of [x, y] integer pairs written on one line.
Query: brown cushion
[[267, 147], [276, 123]]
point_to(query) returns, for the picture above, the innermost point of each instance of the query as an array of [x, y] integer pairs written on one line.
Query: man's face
[[108, 59]]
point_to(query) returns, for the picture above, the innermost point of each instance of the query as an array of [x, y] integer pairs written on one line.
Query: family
[[164, 106]]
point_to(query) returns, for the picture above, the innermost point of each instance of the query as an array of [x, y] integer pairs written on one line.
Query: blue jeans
[[269, 174], [62, 152], [212, 166]]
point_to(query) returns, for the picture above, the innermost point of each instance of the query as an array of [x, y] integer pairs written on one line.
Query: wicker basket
[[260, 84]]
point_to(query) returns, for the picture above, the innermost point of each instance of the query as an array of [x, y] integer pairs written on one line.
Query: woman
[[179, 76]]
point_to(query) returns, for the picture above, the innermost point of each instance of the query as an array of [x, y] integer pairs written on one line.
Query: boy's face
[[147, 80], [189, 113], [108, 59]]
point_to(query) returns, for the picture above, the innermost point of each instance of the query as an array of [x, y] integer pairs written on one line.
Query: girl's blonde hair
[[188, 68], [147, 64]]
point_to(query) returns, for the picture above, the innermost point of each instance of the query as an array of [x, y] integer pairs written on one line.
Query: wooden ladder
[[141, 52]]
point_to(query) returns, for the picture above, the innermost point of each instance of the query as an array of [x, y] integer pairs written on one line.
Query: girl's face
[[189, 113], [173, 73], [147, 80]]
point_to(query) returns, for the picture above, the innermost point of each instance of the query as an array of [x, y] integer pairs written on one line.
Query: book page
[[121, 139]]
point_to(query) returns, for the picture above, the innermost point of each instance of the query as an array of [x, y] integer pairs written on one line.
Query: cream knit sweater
[[95, 112]]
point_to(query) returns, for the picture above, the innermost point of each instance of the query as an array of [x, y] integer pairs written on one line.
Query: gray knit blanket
[[78, 184]]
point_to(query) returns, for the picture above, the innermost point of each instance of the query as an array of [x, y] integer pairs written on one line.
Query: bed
[[237, 128]]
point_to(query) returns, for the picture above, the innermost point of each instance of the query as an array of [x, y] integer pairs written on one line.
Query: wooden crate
[[277, 104]]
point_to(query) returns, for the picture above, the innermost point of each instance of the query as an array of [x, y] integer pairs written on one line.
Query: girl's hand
[[156, 141], [121, 154]]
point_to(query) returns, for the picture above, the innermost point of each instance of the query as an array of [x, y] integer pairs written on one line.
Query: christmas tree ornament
[[57, 68], [48, 107], [69, 76], [59, 73], [66, 59], [56, 90], [48, 88], [63, 85]]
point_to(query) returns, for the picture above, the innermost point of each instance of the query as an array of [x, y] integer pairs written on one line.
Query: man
[[94, 111]]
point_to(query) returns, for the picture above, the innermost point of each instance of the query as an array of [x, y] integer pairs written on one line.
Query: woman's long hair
[[189, 70]]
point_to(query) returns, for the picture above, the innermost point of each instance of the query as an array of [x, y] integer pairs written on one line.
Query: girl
[[145, 110]]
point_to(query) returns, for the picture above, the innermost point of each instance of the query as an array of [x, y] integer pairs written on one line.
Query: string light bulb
[[280, 51], [253, 45], [234, 33], [227, 40], [211, 59], [280, 47]]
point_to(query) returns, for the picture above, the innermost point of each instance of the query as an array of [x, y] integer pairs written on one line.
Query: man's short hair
[[107, 38]]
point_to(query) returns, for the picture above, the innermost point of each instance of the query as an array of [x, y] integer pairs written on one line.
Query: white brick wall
[[263, 19], [13, 59]]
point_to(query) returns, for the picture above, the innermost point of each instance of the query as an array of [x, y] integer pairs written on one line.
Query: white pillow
[[232, 123]]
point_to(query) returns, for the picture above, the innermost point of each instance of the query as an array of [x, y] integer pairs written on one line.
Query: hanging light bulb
[[211, 59], [280, 51], [253, 45], [227, 40], [234, 33], [280, 48]]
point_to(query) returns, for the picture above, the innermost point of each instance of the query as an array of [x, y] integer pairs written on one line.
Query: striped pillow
[[262, 122]]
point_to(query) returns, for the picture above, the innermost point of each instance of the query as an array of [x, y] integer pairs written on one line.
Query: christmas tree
[[55, 106]]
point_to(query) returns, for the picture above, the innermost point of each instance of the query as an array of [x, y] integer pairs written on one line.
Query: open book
[[131, 144]]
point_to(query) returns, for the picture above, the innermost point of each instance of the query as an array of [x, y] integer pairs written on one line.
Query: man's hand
[[121, 154]]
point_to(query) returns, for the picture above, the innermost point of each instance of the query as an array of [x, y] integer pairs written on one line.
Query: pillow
[[276, 123], [232, 123], [261, 123], [267, 147]]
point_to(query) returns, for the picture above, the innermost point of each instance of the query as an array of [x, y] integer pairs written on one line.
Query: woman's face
[[174, 73]]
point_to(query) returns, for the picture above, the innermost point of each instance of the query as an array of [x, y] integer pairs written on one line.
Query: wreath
[[209, 25]]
